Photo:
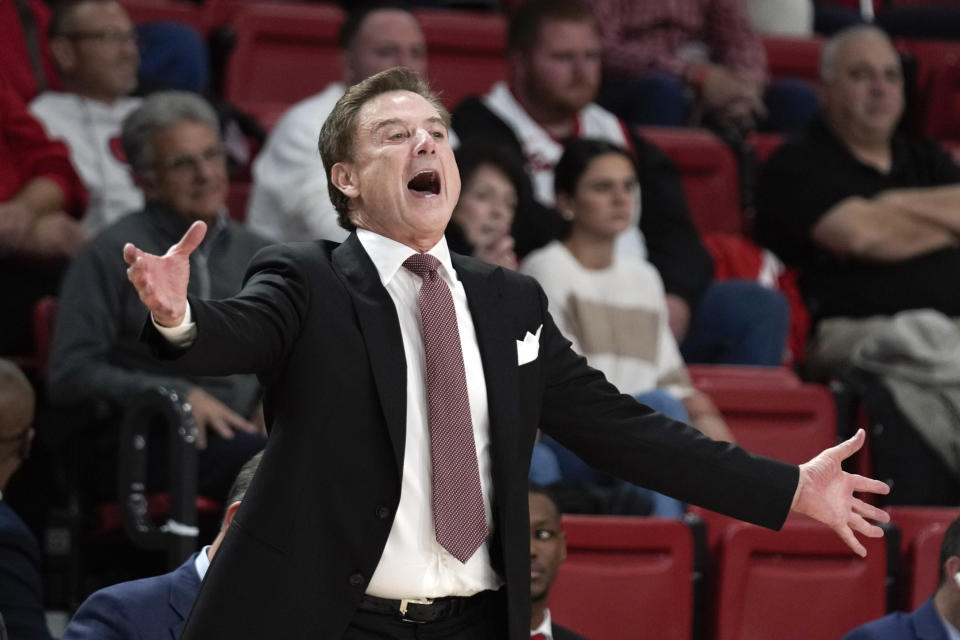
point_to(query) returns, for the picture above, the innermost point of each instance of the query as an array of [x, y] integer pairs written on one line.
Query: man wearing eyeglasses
[[21, 590], [94, 46], [177, 157]]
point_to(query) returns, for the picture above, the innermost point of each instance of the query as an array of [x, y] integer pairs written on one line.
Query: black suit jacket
[[315, 323], [562, 633], [21, 589]]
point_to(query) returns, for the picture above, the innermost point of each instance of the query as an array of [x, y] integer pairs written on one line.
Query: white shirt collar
[[388, 255], [546, 627], [202, 562], [952, 632]]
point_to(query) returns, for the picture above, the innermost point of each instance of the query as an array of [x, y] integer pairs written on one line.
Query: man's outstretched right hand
[[161, 281]]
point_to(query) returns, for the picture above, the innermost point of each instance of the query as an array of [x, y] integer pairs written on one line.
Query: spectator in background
[[290, 199], [40, 199], [548, 548], [156, 608], [554, 62], [21, 588], [656, 55], [173, 144], [938, 618], [493, 184], [94, 44], [613, 311], [867, 215]]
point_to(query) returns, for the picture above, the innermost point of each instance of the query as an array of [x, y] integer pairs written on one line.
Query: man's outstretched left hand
[[825, 493]]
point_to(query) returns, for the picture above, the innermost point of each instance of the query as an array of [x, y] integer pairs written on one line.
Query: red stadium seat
[[626, 578], [709, 172], [802, 582], [793, 57], [764, 144], [790, 424], [923, 572], [466, 52], [284, 52], [937, 110], [921, 534], [707, 376]]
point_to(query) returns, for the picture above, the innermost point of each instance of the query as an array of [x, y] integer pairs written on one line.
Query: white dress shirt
[[952, 632], [546, 627], [202, 562], [413, 565]]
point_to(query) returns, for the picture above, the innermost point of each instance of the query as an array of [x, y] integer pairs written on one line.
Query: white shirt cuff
[[183, 334]]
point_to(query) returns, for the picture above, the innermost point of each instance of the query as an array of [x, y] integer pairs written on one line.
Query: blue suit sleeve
[[101, 617]]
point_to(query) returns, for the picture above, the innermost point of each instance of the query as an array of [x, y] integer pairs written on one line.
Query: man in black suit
[[21, 588], [548, 548], [337, 537]]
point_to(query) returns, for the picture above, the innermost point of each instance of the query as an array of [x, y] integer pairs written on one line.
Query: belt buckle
[[405, 602]]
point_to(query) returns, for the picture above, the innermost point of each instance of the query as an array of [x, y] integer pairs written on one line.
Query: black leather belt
[[427, 610]]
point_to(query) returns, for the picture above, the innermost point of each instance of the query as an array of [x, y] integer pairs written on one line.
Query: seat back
[[789, 424], [921, 534], [922, 571], [793, 57], [626, 578], [709, 171], [284, 52], [465, 52], [799, 583]]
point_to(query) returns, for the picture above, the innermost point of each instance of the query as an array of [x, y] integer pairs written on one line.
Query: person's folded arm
[[872, 230], [939, 206]]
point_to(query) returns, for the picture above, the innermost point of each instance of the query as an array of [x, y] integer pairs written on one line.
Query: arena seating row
[[652, 578], [287, 51]]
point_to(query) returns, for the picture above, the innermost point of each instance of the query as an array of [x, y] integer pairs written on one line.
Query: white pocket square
[[529, 347]]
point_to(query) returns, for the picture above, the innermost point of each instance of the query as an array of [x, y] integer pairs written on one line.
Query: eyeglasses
[[108, 36], [189, 163]]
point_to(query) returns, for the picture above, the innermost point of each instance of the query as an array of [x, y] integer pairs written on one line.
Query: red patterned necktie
[[538, 636], [459, 519]]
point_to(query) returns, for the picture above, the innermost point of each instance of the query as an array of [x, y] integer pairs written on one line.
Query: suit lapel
[[381, 333], [927, 623], [484, 288], [183, 591]]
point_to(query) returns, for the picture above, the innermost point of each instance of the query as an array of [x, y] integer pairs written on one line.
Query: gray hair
[[159, 111], [832, 47], [337, 136]]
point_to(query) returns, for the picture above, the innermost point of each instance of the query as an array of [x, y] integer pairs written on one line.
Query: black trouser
[[486, 621]]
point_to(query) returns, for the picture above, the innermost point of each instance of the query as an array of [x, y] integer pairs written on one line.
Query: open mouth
[[425, 183]]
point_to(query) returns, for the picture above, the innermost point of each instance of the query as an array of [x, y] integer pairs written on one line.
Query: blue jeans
[[738, 322], [663, 99], [552, 462]]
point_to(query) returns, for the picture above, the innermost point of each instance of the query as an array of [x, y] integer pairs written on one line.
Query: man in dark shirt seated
[[174, 147], [868, 215]]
